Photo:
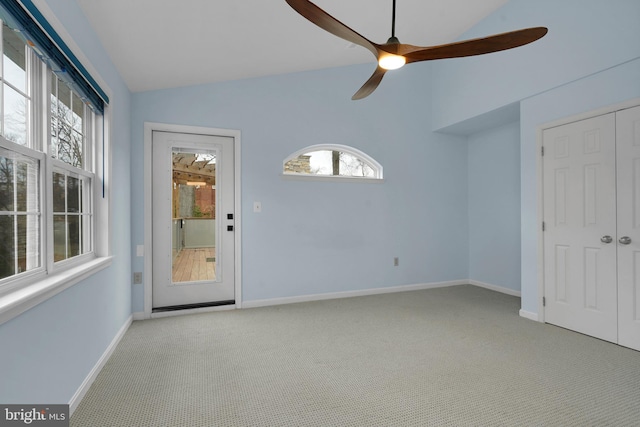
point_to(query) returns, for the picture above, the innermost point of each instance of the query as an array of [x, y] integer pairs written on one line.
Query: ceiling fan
[[393, 54]]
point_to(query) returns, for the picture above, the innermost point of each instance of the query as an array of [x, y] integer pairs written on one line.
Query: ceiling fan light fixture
[[391, 62], [387, 53]]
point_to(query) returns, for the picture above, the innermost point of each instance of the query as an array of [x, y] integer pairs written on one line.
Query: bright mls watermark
[[34, 415]]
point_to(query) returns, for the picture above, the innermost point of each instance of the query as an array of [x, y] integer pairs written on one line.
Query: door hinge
[[542, 150], [544, 302], [543, 226]]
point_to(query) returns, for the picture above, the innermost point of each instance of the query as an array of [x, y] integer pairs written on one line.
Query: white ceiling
[[159, 44]]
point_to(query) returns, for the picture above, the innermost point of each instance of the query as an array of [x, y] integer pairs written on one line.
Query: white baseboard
[[84, 387], [138, 315], [529, 315], [496, 288], [348, 294]]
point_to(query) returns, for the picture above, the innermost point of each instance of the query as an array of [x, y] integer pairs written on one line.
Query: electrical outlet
[[137, 278], [396, 262]]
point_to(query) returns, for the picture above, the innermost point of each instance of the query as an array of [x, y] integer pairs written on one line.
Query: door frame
[[540, 184], [149, 127]]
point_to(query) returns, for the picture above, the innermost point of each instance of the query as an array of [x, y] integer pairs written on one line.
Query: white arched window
[[332, 160]]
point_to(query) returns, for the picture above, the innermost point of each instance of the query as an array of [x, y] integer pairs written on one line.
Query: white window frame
[[26, 290], [375, 165]]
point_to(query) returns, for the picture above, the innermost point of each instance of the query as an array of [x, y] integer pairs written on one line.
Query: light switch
[[140, 250]]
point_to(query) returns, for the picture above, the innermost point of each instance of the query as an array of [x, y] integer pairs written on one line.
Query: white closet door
[[580, 220], [628, 148]]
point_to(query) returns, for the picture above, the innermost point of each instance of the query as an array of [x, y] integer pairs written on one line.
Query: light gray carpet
[[458, 356]]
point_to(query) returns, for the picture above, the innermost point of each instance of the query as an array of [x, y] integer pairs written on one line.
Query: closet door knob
[[606, 239], [625, 240]]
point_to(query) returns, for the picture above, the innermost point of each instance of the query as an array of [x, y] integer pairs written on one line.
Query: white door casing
[[579, 211], [164, 291], [628, 176]]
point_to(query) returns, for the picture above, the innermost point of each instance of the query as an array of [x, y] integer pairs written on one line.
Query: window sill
[[28, 296]]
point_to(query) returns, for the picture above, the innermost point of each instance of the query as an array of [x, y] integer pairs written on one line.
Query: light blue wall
[[47, 352], [494, 206], [585, 37], [588, 60], [321, 237]]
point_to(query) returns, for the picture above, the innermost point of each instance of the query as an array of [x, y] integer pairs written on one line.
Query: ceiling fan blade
[[473, 47], [327, 22], [370, 85]]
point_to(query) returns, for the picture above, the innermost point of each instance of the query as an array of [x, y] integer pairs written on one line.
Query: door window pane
[[194, 216]]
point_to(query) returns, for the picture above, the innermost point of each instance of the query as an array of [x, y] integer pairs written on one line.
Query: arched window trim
[[375, 165]]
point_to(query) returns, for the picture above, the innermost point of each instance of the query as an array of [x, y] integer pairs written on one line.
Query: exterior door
[[628, 148], [580, 244], [193, 220]]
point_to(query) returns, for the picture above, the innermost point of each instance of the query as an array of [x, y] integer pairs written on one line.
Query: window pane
[[28, 242], [15, 116], [73, 243], [69, 146], [59, 181], [66, 124], [59, 237], [22, 243], [73, 198], [54, 117], [76, 148], [7, 189], [84, 183], [27, 186], [7, 246], [328, 162], [13, 61], [64, 96], [353, 166], [78, 114], [86, 237]]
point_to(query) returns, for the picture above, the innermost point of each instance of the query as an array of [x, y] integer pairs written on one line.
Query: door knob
[[625, 240], [606, 239]]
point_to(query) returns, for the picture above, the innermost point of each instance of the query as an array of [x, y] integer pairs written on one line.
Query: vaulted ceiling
[[159, 44]]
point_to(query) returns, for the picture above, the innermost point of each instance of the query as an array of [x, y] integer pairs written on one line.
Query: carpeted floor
[[457, 356]]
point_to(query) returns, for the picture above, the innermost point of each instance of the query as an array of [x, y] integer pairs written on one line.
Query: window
[[50, 148], [332, 161]]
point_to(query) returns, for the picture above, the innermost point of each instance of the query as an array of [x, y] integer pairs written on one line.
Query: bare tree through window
[[67, 112], [332, 162]]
